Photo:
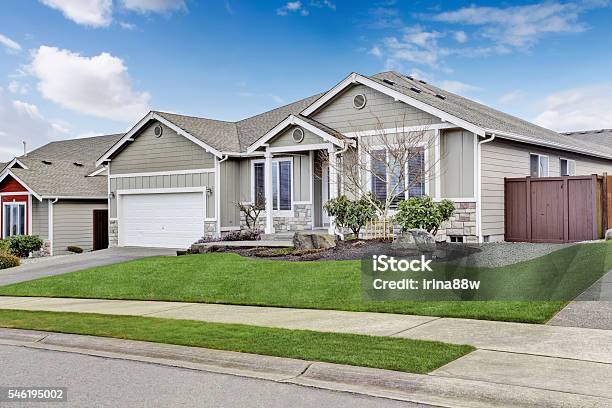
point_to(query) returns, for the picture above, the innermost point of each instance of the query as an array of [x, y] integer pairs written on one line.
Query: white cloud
[[10, 45], [17, 88], [511, 96], [292, 7], [458, 87], [323, 4], [94, 13], [21, 121], [460, 36], [98, 86], [521, 26], [376, 51], [587, 107], [154, 6], [127, 26], [415, 45]]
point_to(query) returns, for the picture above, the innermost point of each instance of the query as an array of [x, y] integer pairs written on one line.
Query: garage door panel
[[174, 220]]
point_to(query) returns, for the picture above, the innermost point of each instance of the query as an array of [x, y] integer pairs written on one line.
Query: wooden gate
[[100, 229], [555, 209]]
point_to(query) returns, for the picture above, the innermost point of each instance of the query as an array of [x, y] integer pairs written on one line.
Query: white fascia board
[[357, 78], [16, 160], [8, 172], [154, 116], [97, 172], [60, 197], [293, 120], [539, 142]]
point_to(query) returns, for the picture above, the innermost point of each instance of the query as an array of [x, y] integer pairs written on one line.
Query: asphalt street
[[105, 382]]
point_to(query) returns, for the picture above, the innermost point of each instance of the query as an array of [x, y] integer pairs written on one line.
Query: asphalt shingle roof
[[63, 177], [479, 114], [600, 137]]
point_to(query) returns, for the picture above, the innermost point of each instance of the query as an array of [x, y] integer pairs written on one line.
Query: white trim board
[[289, 121], [8, 172], [356, 78], [162, 191], [405, 129], [161, 173], [128, 137]]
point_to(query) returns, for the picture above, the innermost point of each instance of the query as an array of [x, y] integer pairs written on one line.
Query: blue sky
[[73, 68]]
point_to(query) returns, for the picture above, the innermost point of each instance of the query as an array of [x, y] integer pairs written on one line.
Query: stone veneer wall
[[462, 224], [301, 220]]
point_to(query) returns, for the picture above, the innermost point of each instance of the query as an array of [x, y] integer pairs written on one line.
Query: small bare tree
[[386, 165], [252, 211]]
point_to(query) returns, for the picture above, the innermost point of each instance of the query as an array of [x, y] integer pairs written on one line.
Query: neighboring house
[[57, 192], [174, 178]]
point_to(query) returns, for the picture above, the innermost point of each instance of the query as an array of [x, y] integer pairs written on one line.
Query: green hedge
[[8, 261], [21, 245]]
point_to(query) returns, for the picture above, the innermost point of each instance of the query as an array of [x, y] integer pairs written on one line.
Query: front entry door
[[324, 192], [100, 229]]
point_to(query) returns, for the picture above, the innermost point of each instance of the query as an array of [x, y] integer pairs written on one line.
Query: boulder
[[311, 240], [415, 239], [609, 235]]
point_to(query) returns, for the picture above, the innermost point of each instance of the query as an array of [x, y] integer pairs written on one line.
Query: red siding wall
[[10, 185]]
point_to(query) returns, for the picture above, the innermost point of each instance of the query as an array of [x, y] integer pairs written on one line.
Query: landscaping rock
[[609, 235], [311, 240], [415, 239]]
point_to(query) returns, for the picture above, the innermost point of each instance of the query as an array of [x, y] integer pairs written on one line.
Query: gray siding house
[[58, 193], [174, 178]]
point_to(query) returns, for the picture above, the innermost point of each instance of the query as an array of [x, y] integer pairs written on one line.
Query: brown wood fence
[[557, 209]]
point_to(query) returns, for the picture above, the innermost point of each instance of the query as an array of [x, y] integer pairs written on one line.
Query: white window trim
[[568, 162], [25, 217], [540, 164], [382, 147], [275, 213]]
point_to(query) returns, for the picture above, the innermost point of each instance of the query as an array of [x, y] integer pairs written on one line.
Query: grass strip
[[231, 279], [413, 356]]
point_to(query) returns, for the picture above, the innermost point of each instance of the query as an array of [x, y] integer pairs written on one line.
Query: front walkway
[[57, 265], [565, 359]]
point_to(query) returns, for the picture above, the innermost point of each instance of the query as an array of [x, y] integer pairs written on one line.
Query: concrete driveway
[[57, 265], [592, 309]]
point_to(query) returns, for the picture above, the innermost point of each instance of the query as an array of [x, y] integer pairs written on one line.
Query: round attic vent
[[359, 101], [298, 135], [158, 130]]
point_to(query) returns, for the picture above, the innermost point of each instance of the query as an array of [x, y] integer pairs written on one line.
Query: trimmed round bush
[[8, 261], [22, 245], [75, 249]]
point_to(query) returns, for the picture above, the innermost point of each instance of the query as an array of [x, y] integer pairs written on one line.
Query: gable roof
[[62, 177], [601, 137]]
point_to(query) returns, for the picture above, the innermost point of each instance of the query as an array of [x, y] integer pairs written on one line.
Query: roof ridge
[[194, 117], [282, 106]]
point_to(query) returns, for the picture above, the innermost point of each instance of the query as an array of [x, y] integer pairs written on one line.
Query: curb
[[417, 388]]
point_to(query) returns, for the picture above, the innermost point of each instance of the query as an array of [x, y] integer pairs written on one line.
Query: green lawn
[[414, 356], [232, 279]]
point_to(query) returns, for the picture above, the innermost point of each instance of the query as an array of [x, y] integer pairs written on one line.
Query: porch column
[[333, 182], [268, 187]]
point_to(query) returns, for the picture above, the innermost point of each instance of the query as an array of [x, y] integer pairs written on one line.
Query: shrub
[[22, 245], [352, 214], [423, 213], [8, 261], [75, 249], [4, 246]]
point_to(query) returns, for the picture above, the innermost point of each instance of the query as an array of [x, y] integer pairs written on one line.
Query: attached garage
[[165, 219]]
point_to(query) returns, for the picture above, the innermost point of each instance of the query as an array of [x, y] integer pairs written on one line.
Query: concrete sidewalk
[[563, 359], [446, 387]]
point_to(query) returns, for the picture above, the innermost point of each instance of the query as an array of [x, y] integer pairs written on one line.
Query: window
[[383, 182], [281, 184], [539, 165], [568, 167], [456, 239], [14, 219]]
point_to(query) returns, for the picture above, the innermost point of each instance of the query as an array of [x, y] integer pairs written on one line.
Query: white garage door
[[169, 220]]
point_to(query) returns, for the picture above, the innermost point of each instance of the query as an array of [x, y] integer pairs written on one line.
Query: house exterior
[[57, 192], [172, 178]]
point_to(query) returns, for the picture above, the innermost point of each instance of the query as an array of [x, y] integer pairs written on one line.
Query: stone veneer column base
[[113, 233], [301, 220], [461, 224]]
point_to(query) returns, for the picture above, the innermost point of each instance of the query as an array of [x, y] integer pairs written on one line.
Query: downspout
[[479, 188], [218, 191]]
